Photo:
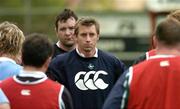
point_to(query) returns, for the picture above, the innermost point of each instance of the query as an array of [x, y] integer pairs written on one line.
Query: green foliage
[[34, 3], [93, 5], [11, 3], [47, 3]]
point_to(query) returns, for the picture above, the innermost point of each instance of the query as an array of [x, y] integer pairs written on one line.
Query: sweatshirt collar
[[82, 55]]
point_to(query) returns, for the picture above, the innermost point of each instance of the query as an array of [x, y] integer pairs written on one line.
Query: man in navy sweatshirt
[[87, 72]]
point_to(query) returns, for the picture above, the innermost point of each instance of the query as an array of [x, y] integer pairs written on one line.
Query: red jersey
[[150, 53], [154, 84], [44, 94]]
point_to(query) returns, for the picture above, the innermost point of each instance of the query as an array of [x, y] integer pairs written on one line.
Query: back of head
[[64, 16], [88, 21], [168, 32], [36, 49], [11, 39]]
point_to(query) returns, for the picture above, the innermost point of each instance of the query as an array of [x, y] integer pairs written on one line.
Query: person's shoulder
[[64, 56], [106, 55], [54, 83], [13, 67], [18, 68], [7, 82], [147, 64], [140, 59]]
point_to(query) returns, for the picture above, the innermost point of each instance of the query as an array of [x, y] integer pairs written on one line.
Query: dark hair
[[64, 16], [87, 22], [168, 31], [36, 49]]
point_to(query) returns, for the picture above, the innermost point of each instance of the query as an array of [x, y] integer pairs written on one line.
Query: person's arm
[[139, 59], [3, 98], [5, 106], [120, 69], [117, 98], [4, 102], [55, 70], [65, 100]]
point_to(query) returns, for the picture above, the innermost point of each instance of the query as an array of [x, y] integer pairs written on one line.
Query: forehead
[[69, 21], [83, 28]]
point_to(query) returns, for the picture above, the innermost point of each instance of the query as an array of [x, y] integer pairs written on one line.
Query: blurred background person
[[64, 27], [11, 39], [31, 89]]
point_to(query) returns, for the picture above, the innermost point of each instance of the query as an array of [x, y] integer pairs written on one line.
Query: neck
[[32, 68], [8, 56], [88, 54], [66, 48], [168, 51]]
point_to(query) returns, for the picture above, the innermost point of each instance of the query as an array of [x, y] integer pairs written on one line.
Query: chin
[[88, 49], [70, 44]]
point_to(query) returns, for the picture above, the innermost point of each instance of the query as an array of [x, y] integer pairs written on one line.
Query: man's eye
[[91, 34], [71, 28], [62, 29], [83, 35]]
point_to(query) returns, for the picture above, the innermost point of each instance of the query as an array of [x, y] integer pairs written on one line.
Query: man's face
[[65, 32], [87, 38]]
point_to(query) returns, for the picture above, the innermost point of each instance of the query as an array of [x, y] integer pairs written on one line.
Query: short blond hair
[[175, 14], [11, 39], [87, 21]]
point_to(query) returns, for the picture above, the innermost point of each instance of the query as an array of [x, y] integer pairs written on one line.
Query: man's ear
[[55, 29], [98, 37], [154, 41]]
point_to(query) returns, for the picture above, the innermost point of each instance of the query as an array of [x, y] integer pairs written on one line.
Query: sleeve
[[117, 98], [5, 106], [65, 100], [139, 59], [3, 98], [55, 70], [120, 68]]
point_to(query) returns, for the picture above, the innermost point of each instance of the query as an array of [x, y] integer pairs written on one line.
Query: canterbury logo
[[88, 83]]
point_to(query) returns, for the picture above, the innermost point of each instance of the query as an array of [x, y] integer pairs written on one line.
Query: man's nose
[[68, 32], [88, 38]]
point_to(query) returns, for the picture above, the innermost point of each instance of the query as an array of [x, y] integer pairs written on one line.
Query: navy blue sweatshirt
[[89, 80]]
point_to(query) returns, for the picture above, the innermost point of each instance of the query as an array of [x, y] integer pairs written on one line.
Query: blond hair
[[11, 39], [87, 21], [175, 14]]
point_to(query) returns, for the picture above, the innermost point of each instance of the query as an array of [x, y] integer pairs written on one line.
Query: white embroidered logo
[[164, 63], [88, 83], [25, 92]]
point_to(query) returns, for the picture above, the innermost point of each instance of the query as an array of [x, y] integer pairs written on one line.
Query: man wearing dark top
[[87, 72], [64, 27]]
